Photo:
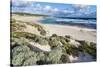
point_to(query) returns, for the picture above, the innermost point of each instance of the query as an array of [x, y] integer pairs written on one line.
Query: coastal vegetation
[[24, 53]]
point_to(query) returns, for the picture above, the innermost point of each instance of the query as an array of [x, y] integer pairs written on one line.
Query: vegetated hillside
[[33, 47], [28, 14]]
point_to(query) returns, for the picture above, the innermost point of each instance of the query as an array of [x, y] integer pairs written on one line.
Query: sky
[[54, 9]]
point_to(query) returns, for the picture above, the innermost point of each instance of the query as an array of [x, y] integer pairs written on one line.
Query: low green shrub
[[88, 47], [53, 42], [43, 32], [22, 55], [16, 26], [64, 58], [39, 28], [55, 55], [67, 36]]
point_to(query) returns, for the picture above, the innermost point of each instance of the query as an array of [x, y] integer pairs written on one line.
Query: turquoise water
[[90, 23]]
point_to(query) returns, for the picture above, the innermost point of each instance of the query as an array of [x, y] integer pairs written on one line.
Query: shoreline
[[77, 33], [74, 26]]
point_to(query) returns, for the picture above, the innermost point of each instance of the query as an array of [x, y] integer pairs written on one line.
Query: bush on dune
[[56, 40], [68, 48], [18, 41], [19, 54], [88, 47], [53, 42], [39, 28], [16, 26], [43, 41], [43, 32], [20, 38], [55, 55], [24, 35], [40, 40], [67, 36], [42, 59], [64, 58], [54, 35], [22, 55]]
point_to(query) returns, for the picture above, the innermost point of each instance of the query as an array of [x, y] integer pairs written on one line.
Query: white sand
[[31, 29], [41, 47], [76, 32], [27, 18]]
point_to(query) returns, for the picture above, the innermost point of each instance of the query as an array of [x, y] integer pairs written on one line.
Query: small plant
[[42, 41], [54, 35], [64, 58], [43, 32], [17, 26], [39, 28], [81, 30], [67, 36], [53, 42]]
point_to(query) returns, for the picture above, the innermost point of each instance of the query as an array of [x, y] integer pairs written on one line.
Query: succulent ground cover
[[61, 48]]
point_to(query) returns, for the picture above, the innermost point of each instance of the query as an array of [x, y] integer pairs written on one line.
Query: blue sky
[[58, 9]]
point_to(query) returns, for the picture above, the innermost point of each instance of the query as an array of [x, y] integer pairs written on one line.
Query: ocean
[[88, 23]]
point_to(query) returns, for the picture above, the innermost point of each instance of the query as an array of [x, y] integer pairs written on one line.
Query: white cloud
[[40, 8], [68, 11], [37, 7], [65, 11], [81, 9], [47, 7], [80, 6], [56, 9], [21, 3]]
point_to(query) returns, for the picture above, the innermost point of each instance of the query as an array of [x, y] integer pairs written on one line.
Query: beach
[[76, 32]]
